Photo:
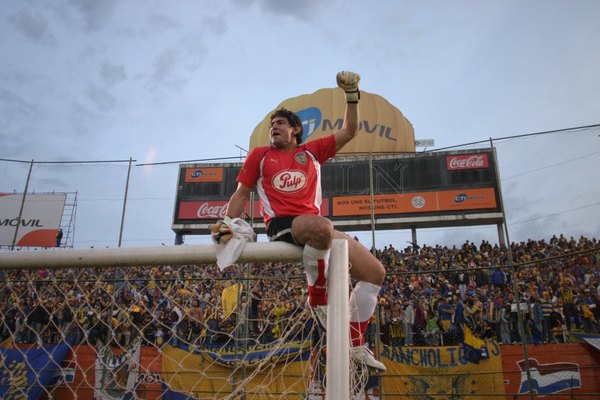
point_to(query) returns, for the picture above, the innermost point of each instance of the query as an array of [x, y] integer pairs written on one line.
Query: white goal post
[[338, 354]]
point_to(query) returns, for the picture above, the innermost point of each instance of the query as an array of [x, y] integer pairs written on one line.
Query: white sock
[[363, 301]]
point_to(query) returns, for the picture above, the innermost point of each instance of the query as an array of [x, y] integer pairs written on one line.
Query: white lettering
[[473, 161], [215, 211], [289, 181]]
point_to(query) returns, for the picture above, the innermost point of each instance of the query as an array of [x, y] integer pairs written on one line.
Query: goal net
[[166, 323]]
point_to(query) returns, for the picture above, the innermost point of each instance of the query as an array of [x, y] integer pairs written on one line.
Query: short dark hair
[[292, 118]]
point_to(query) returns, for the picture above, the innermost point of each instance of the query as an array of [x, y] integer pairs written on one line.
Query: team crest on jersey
[[300, 157]]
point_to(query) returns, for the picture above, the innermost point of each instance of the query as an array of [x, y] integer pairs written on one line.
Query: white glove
[[221, 232], [348, 81]]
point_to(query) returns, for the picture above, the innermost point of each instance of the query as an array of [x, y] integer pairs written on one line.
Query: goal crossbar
[[144, 256]]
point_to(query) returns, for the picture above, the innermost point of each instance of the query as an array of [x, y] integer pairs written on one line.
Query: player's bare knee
[[379, 274], [321, 231], [374, 273]]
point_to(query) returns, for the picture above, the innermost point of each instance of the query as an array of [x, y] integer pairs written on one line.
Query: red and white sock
[[363, 301], [316, 264]]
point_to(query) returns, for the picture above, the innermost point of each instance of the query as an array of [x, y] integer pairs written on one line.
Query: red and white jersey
[[288, 183]]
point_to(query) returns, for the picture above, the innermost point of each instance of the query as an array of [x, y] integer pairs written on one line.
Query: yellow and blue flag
[[474, 348], [24, 373], [229, 299]]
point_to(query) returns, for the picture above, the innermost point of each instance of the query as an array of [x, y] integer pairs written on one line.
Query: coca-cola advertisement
[[467, 161], [202, 210]]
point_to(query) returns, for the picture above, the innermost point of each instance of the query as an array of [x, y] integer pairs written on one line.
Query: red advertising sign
[[467, 161], [190, 210], [202, 209]]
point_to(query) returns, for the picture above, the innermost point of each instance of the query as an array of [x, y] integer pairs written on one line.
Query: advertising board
[[39, 222], [409, 190]]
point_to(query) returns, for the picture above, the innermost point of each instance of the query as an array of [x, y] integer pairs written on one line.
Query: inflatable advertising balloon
[[382, 127]]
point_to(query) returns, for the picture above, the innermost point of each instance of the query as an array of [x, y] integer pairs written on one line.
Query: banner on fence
[[199, 375], [117, 372], [28, 373], [431, 371], [423, 371], [569, 369]]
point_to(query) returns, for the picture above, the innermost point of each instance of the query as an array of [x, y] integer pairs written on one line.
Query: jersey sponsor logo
[[300, 157], [289, 181]]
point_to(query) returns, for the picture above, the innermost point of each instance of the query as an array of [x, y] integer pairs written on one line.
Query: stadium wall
[[551, 364]]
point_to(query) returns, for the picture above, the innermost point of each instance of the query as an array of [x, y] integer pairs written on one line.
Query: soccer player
[[286, 175]]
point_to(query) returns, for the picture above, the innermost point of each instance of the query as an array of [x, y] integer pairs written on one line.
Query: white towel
[[229, 252]]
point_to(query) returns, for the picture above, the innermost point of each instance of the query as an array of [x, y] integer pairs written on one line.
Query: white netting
[[155, 332]]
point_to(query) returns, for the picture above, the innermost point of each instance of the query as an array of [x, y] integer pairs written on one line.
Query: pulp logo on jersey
[[289, 181]]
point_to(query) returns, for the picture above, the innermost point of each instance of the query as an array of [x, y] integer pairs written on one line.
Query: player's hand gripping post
[[221, 232], [348, 81]]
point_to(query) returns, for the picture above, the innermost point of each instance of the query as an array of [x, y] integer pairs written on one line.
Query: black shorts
[[280, 230]]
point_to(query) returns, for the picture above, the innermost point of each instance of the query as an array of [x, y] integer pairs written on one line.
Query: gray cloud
[[195, 51], [80, 121], [215, 25], [302, 10], [12, 147], [167, 68], [112, 73], [14, 114], [33, 25], [102, 99], [165, 64], [162, 23], [95, 14], [13, 107]]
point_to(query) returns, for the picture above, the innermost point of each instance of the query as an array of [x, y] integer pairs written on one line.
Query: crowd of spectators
[[431, 291], [428, 294]]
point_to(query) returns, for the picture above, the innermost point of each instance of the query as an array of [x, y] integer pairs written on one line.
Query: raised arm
[[348, 81]]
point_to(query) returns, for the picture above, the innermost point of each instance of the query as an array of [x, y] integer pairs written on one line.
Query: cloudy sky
[[174, 80]]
